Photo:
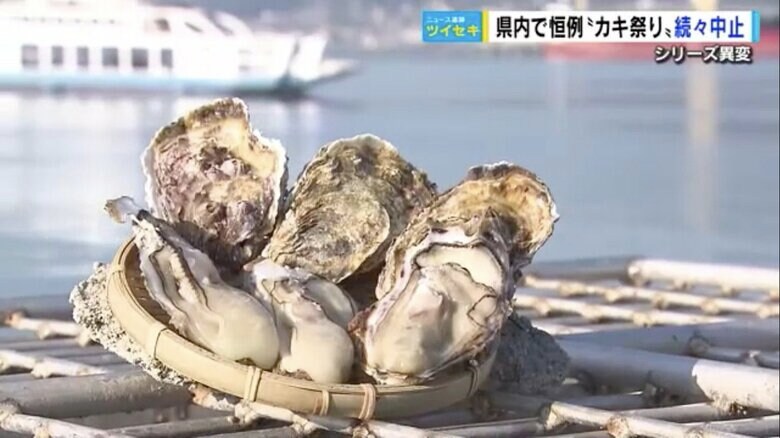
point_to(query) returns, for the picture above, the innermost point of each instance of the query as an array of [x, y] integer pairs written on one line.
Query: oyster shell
[[311, 318], [446, 287], [218, 182], [349, 203], [187, 285]]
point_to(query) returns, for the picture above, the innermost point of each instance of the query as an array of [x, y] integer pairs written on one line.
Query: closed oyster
[[349, 203], [311, 318], [448, 280], [219, 183], [187, 285]]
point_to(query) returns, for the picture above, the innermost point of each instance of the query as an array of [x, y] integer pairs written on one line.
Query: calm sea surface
[[677, 161]]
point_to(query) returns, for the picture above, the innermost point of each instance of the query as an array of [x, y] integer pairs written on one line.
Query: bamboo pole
[[721, 382], [277, 432], [184, 428], [442, 418], [9, 335], [39, 344], [44, 328], [757, 426], [768, 360], [93, 395], [71, 352], [753, 334], [103, 359], [507, 428], [597, 312], [533, 404], [624, 425], [45, 366], [594, 434], [685, 413], [659, 298], [700, 348], [584, 269], [761, 426], [9, 378], [12, 420], [645, 422], [560, 330], [727, 277], [250, 412]]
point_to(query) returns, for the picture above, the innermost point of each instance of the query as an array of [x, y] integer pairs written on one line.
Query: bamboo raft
[[657, 348]]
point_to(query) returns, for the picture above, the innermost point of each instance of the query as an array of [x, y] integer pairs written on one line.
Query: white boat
[[112, 44]]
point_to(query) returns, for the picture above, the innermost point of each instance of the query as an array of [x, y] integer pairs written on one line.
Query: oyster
[[448, 280], [349, 203], [311, 318], [218, 182], [187, 285]]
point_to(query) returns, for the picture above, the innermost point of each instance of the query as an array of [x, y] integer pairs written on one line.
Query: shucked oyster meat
[[219, 183], [311, 316], [448, 280], [187, 285], [351, 200]]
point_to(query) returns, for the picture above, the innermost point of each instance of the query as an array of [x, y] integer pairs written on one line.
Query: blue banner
[[452, 26]]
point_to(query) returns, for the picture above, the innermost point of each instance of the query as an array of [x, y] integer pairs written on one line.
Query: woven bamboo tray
[[144, 321]]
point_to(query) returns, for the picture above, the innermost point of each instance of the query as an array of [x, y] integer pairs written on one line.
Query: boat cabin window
[[162, 25], [166, 58], [110, 57], [29, 56], [82, 57], [57, 56], [139, 58]]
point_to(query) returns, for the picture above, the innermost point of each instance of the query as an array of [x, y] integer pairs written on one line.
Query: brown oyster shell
[[446, 287], [217, 181], [514, 195], [351, 200]]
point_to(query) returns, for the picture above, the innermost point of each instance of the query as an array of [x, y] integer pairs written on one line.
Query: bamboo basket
[[147, 324]]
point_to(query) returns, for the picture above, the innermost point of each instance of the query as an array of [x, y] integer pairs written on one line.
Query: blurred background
[[675, 161]]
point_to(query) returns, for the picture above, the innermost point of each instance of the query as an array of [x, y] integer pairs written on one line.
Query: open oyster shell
[[351, 200], [218, 182], [311, 318], [446, 287], [187, 285]]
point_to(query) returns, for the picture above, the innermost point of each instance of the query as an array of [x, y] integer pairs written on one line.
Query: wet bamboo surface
[[658, 348]]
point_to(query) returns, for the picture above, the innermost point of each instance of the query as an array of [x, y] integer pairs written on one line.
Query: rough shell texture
[[218, 182], [519, 201], [446, 288], [349, 203], [187, 285], [311, 317]]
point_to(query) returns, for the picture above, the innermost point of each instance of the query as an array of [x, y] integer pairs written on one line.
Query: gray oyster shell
[[311, 317], [448, 280], [349, 203], [203, 308], [218, 182]]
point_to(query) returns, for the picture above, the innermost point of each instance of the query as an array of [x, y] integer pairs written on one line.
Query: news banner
[[706, 36]]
